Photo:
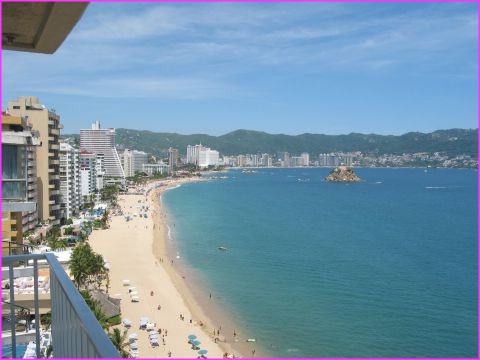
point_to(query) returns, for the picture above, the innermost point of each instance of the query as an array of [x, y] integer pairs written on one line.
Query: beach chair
[[126, 282], [134, 353], [135, 299]]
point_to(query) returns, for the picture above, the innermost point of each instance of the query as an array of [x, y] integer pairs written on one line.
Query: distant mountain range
[[453, 142]]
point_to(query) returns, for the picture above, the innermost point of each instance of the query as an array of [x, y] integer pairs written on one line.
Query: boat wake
[[435, 187]]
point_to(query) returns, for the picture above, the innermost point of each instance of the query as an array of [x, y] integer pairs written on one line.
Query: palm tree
[[119, 341]]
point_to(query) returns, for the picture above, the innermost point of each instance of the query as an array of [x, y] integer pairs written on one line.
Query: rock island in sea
[[342, 174]]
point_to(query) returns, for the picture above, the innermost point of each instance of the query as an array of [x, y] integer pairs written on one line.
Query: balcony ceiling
[[38, 26]]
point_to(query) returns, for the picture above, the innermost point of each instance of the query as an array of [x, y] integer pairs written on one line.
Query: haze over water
[[382, 268]]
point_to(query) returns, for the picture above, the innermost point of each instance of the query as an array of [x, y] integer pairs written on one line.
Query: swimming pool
[[7, 350]]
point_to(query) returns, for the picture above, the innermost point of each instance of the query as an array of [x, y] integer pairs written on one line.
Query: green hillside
[[453, 142]]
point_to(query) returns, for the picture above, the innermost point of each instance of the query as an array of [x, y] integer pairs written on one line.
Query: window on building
[[13, 172]]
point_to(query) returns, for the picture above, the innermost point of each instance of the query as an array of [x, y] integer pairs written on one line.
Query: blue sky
[[332, 68]]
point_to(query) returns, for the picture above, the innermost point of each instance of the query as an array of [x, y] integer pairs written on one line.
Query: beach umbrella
[[196, 343], [203, 352], [191, 337]]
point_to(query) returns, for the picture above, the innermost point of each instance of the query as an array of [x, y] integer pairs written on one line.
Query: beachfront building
[[70, 180], [18, 201], [74, 331], [47, 123], [173, 156], [102, 142], [133, 161], [266, 160], [305, 159], [241, 160], [92, 172], [151, 169], [193, 153], [207, 157], [328, 160]]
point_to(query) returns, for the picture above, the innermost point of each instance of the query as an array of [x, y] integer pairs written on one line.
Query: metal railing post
[[35, 302], [12, 311]]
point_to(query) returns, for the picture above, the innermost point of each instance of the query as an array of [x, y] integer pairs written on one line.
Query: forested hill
[[453, 142]]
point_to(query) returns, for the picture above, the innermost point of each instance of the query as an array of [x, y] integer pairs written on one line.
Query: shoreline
[[127, 246], [191, 294]]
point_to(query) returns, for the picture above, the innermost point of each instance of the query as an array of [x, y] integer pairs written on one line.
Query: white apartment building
[[173, 156], [207, 157], [151, 169], [266, 160], [102, 141], [92, 172], [133, 161], [70, 180], [193, 153], [305, 159]]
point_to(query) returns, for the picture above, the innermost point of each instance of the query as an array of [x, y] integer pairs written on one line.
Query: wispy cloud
[[195, 50]]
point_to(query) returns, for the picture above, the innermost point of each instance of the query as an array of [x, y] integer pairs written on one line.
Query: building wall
[[172, 159], [70, 180], [12, 230], [133, 161], [102, 141], [47, 123], [150, 169], [30, 218], [207, 157]]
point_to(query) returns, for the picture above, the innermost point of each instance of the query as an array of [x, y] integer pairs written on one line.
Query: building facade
[[173, 156], [133, 161], [17, 201], [151, 169], [47, 123], [70, 180], [30, 218], [92, 172], [102, 141], [207, 157]]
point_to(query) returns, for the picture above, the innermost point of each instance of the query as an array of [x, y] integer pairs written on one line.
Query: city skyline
[[279, 68]]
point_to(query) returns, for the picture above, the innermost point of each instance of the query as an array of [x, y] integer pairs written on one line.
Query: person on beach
[[159, 307], [151, 293]]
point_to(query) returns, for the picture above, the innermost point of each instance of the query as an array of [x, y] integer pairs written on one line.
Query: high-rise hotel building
[[47, 123], [133, 161], [18, 177], [102, 143], [69, 180]]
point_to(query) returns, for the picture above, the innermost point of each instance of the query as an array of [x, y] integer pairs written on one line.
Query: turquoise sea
[[382, 268]]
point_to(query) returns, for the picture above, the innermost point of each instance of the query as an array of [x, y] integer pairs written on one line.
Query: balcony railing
[[76, 333]]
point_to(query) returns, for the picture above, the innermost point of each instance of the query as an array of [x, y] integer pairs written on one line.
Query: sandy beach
[[136, 251]]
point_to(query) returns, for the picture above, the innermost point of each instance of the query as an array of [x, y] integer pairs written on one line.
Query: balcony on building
[[15, 142], [74, 331]]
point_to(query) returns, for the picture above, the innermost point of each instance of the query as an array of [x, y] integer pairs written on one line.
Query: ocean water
[[382, 268]]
